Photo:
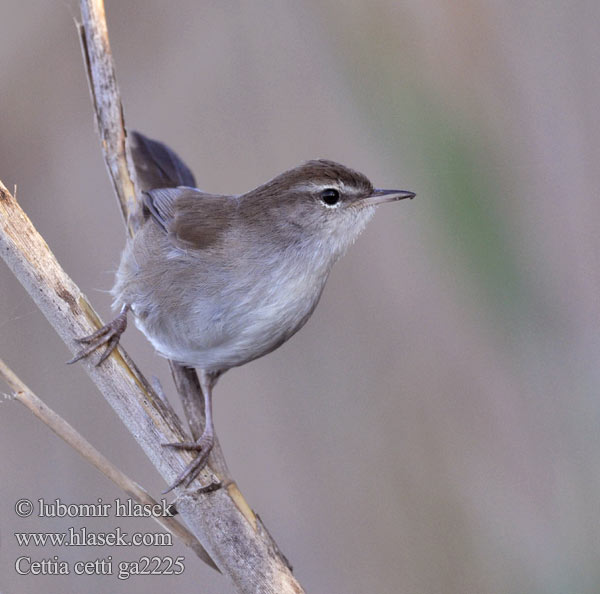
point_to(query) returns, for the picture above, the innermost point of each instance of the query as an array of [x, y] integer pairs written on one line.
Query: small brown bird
[[216, 281]]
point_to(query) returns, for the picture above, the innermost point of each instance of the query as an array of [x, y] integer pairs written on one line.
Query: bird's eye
[[330, 196]]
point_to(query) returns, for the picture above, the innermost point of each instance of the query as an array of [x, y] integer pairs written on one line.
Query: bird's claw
[[204, 445], [109, 335]]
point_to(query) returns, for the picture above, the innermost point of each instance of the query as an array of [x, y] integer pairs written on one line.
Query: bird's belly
[[234, 327]]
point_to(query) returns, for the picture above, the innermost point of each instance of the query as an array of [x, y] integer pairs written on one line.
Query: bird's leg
[[206, 441], [109, 335]]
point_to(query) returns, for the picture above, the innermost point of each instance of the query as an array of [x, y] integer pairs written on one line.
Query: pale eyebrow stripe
[[316, 187]]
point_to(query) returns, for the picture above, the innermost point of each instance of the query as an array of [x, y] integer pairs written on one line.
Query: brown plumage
[[216, 281]]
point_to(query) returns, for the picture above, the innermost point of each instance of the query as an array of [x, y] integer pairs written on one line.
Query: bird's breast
[[251, 311]]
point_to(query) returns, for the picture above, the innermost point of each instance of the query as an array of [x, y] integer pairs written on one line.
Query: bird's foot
[[108, 335], [204, 446]]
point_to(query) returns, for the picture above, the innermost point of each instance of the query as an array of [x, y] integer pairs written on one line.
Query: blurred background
[[435, 428]]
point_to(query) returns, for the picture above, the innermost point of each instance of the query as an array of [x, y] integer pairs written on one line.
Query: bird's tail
[[156, 165]]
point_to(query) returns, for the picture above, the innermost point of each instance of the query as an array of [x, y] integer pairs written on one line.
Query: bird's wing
[[160, 205], [191, 218], [156, 165]]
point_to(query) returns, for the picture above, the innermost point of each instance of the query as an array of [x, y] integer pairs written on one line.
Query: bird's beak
[[381, 196]]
